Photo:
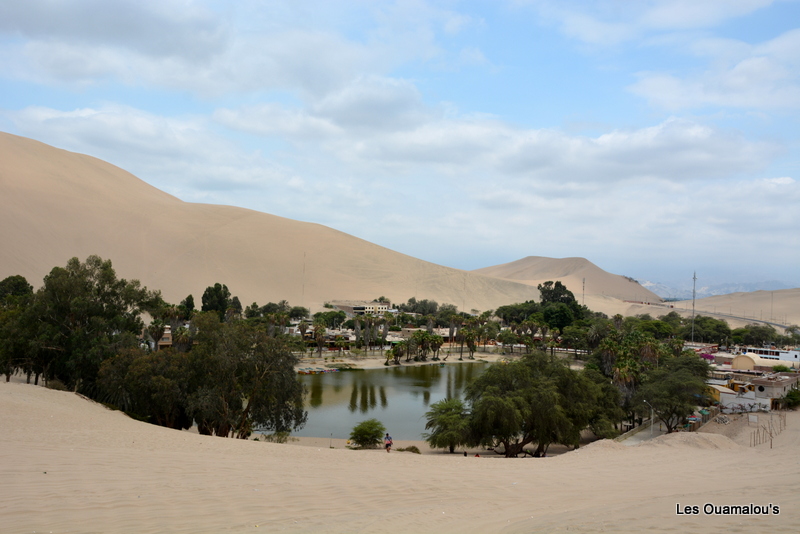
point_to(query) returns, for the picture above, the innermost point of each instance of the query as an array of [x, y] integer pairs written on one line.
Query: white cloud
[[764, 76], [148, 27], [610, 22], [374, 103], [275, 120]]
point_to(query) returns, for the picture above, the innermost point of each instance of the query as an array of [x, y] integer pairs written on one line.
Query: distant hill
[[56, 204], [684, 291], [581, 276]]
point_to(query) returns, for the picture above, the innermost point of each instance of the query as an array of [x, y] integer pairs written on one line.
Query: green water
[[396, 396]]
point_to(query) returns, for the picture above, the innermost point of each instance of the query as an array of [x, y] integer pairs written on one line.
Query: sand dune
[[70, 465], [581, 276], [612, 294], [56, 204]]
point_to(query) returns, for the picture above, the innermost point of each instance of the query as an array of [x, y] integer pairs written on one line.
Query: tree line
[[83, 330]]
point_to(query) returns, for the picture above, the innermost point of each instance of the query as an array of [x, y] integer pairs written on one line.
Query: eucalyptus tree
[[241, 380], [82, 315]]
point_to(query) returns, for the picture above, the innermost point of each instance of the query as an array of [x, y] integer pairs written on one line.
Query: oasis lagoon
[[398, 397]]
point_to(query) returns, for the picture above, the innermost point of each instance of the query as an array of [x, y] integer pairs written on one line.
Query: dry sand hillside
[[56, 204], [572, 272], [612, 294], [69, 465]]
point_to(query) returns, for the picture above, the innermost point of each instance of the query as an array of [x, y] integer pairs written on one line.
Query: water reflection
[[396, 396]]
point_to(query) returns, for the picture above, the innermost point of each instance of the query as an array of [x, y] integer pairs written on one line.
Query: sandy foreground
[[71, 465]]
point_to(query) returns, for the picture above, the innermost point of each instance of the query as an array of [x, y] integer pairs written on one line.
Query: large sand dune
[[56, 204], [581, 276], [70, 465]]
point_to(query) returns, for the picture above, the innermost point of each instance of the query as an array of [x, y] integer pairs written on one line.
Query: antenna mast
[[694, 287]]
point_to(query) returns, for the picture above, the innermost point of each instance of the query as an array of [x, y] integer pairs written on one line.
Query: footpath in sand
[[71, 465]]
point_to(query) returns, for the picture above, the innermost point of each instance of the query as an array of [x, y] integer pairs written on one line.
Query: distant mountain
[[685, 293]]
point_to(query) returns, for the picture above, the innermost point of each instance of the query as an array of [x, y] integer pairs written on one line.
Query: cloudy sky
[[655, 137]]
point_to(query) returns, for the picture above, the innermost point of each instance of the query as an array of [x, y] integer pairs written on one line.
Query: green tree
[[151, 386], [14, 287], [673, 396], [513, 406], [82, 315], [574, 337], [187, 307], [448, 422], [242, 380], [217, 298], [707, 329], [558, 315], [368, 434], [319, 336], [508, 338], [555, 292]]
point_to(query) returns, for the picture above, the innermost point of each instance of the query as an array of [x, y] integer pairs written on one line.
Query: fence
[[767, 432]]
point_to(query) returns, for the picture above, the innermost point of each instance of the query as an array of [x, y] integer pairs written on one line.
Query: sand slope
[[68, 464], [572, 272], [612, 294], [56, 204]]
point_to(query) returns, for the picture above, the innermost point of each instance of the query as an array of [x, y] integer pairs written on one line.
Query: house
[[756, 394]]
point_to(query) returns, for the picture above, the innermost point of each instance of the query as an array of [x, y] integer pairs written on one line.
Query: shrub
[[410, 448], [56, 384], [792, 399], [277, 437], [368, 434]]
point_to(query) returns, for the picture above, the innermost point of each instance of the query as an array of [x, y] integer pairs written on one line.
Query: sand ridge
[[68, 464]]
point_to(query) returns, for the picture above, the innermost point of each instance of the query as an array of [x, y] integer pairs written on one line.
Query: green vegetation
[[368, 434], [448, 424], [673, 391], [792, 399], [538, 399], [83, 331]]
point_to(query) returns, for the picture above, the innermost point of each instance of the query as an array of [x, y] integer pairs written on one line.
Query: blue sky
[[655, 138]]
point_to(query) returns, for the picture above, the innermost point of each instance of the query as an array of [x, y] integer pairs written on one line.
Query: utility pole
[[694, 287]]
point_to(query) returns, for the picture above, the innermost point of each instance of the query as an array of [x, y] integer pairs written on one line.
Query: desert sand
[[55, 205], [71, 465]]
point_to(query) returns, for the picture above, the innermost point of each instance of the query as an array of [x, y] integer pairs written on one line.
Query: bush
[[368, 434], [792, 399], [56, 384], [410, 448], [277, 437]]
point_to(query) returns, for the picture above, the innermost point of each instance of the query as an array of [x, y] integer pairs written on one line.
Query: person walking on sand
[[387, 442]]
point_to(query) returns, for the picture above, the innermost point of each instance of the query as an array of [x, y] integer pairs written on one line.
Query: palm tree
[[449, 424], [319, 335], [436, 343]]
